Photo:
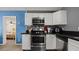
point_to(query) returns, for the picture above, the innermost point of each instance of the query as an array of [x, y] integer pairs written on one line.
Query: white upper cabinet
[[48, 19], [46, 16], [60, 17], [28, 18], [56, 18]]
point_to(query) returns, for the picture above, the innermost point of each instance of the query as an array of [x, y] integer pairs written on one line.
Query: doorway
[[9, 30]]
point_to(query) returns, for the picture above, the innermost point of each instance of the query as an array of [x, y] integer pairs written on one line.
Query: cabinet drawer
[[50, 36]]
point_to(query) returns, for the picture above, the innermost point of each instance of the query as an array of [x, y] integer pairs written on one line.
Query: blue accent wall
[[20, 27], [1, 31]]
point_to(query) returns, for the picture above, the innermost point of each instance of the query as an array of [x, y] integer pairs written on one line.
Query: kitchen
[[46, 28], [51, 20]]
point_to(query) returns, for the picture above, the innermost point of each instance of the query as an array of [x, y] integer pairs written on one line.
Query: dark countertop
[[29, 33], [25, 33], [68, 36], [65, 34]]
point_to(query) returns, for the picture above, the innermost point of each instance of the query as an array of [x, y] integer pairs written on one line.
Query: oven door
[[38, 40]]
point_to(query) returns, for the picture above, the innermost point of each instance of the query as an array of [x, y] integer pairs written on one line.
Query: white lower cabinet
[[59, 44], [26, 42], [73, 45], [72, 48], [50, 41]]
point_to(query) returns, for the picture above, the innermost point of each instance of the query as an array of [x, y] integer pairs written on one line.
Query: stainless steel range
[[38, 35]]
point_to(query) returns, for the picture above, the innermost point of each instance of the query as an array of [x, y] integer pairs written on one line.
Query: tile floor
[[10, 46]]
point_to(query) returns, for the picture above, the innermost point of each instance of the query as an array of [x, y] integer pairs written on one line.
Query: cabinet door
[[73, 45], [50, 41], [28, 19], [26, 42], [48, 19], [60, 17], [73, 42], [59, 44], [29, 16]]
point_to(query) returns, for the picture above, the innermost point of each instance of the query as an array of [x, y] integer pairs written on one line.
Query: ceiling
[[29, 8]]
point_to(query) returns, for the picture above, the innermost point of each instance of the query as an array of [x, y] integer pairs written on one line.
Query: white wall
[[72, 18]]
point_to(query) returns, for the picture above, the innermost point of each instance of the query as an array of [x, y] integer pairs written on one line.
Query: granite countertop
[[68, 36], [65, 34], [25, 33]]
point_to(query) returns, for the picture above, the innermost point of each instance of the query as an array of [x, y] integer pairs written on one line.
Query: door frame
[[4, 30]]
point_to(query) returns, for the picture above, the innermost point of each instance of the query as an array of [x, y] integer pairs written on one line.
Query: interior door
[[8, 22]]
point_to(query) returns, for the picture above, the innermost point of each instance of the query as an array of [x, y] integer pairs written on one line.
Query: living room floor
[[10, 46]]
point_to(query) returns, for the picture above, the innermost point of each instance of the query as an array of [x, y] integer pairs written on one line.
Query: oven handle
[[38, 35]]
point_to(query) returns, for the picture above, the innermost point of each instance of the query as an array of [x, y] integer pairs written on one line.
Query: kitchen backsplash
[[66, 27], [70, 28]]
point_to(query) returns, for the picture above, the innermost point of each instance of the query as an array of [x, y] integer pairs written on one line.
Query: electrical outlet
[[78, 28]]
